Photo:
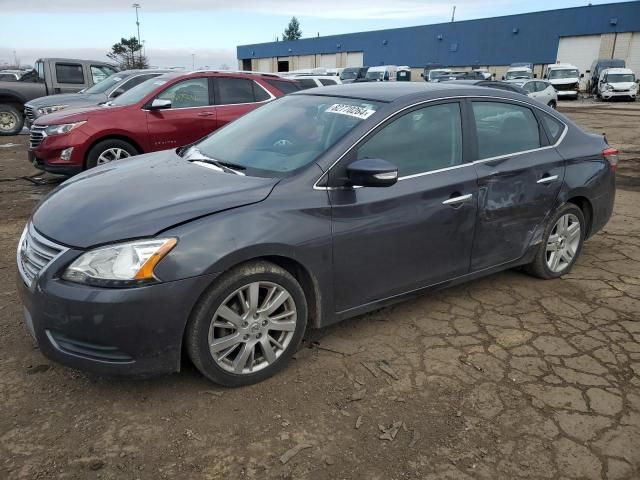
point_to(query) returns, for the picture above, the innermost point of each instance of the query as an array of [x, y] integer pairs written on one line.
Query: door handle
[[458, 200], [206, 114], [548, 179]]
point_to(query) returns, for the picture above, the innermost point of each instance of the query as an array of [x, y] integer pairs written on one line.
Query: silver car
[[541, 90]]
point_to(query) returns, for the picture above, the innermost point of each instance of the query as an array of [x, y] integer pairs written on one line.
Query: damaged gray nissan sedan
[[316, 207]]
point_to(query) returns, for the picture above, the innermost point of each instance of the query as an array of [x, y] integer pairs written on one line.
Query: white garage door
[[264, 65], [328, 60], [633, 58], [306, 61], [355, 59], [579, 51]]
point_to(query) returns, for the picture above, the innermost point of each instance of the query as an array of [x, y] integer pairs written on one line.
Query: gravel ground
[[507, 377]]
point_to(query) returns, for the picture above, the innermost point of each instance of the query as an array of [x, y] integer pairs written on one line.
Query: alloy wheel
[[563, 243], [8, 121], [252, 327], [112, 154]]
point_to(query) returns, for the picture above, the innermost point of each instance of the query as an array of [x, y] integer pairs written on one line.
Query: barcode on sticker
[[351, 110]]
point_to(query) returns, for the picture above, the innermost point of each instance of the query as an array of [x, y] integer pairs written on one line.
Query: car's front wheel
[[11, 120], [248, 325], [108, 151], [561, 243]]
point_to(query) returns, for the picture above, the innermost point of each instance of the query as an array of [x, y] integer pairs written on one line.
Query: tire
[[552, 104], [11, 120], [542, 264], [99, 153], [235, 365]]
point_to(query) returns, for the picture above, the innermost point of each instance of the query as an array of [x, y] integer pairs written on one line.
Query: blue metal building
[[532, 37]]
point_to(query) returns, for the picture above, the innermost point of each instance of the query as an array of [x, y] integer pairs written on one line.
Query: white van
[[565, 78], [617, 82], [383, 73], [518, 73]]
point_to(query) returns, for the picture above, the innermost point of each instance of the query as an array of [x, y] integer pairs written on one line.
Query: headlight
[[119, 265], [61, 129], [607, 86], [51, 109]]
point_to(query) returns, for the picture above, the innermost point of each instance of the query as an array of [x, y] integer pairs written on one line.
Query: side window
[[504, 128], [129, 84], [530, 87], [69, 73], [541, 86], [100, 72], [283, 86], [234, 90], [40, 70], [188, 93], [553, 127], [259, 93], [327, 81], [420, 141], [306, 83]]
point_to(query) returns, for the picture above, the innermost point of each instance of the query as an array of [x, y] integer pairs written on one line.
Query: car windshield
[[620, 77], [349, 73], [564, 73], [106, 84], [518, 74], [137, 93], [374, 75], [286, 134]]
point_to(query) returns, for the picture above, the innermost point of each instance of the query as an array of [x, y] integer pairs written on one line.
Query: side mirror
[[372, 172], [422, 75], [160, 104], [535, 75], [502, 77], [582, 75], [117, 92], [493, 75], [545, 77]]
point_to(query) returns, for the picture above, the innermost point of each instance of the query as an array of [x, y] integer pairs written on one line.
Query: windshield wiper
[[192, 154]]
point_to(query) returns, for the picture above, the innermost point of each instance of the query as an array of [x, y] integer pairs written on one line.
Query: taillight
[[611, 154]]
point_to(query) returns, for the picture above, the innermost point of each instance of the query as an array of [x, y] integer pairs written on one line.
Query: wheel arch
[[584, 204], [112, 136]]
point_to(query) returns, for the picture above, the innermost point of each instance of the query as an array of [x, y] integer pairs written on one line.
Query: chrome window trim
[[475, 162]]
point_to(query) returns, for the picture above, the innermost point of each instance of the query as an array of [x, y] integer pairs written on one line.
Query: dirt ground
[[507, 377]]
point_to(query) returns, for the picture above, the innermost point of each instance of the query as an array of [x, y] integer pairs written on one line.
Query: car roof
[[392, 91], [224, 73]]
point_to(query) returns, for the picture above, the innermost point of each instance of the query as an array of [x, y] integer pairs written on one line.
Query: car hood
[[75, 99], [76, 114], [140, 197]]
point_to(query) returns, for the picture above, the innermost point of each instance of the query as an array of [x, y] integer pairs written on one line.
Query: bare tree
[[127, 53]]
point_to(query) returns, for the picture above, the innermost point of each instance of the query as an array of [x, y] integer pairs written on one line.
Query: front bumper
[[608, 94], [567, 93], [41, 164], [45, 151], [132, 331]]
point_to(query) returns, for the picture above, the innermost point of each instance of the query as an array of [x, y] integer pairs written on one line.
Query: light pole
[[137, 6], [193, 61]]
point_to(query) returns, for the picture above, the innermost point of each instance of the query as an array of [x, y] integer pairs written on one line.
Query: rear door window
[[234, 90], [504, 128], [327, 81], [553, 126], [69, 73], [259, 93]]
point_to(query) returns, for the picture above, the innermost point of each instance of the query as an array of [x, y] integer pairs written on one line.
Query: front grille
[[567, 86], [92, 351], [30, 113], [35, 253], [36, 136]]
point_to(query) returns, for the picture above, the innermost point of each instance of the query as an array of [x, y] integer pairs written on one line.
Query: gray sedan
[[314, 208]]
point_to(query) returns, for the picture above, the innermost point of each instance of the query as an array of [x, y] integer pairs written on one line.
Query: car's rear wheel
[[561, 243], [11, 120], [108, 151], [247, 326]]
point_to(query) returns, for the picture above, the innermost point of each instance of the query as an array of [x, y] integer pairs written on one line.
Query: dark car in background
[[168, 111], [316, 207], [108, 89], [353, 74]]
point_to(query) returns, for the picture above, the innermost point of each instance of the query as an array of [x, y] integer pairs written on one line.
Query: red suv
[[165, 112]]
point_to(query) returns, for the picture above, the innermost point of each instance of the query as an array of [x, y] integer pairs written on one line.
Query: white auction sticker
[[351, 110]]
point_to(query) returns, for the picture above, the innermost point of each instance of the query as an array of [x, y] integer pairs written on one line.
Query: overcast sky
[[173, 30]]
